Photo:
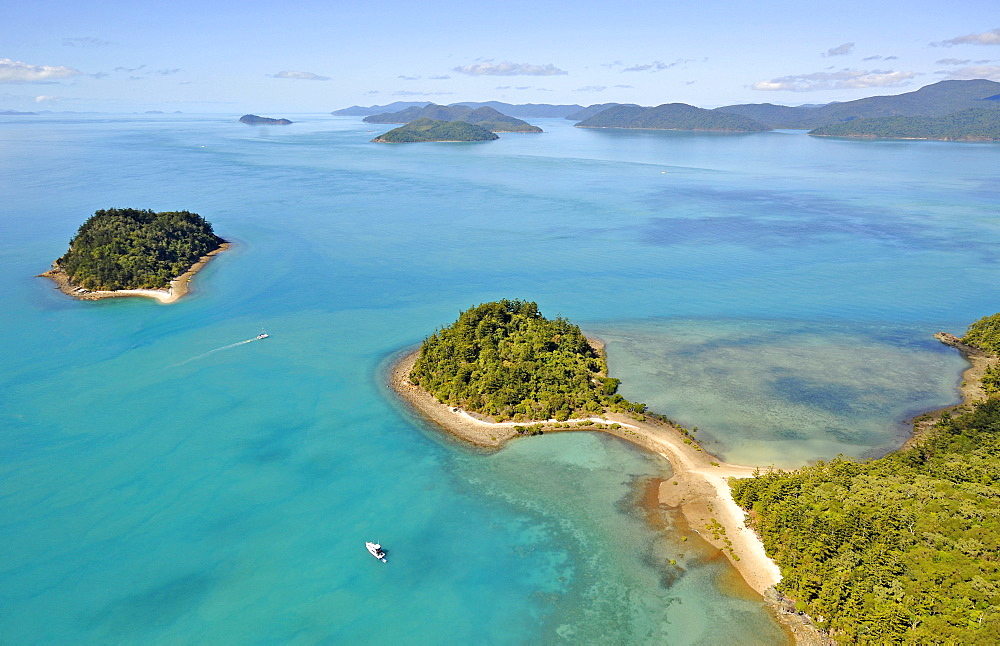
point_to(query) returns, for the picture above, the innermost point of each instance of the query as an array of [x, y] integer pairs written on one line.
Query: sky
[[290, 57]]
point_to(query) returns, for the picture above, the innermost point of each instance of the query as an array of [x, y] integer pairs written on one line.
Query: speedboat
[[375, 550], [262, 335]]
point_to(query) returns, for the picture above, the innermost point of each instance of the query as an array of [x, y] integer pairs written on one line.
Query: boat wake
[[262, 335]]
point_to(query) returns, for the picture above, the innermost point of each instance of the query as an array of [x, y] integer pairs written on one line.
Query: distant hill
[[485, 116], [520, 110], [360, 111], [591, 110], [671, 116], [935, 100], [431, 130], [526, 110], [9, 113], [976, 124], [254, 120]]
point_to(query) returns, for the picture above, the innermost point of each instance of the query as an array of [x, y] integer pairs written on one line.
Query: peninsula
[[502, 370], [902, 549], [423, 130], [254, 120], [132, 252]]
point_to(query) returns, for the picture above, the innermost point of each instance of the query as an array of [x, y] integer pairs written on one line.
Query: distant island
[[671, 116], [132, 252], [254, 120], [936, 100], [902, 549], [975, 124], [520, 110], [485, 117], [17, 113], [424, 130]]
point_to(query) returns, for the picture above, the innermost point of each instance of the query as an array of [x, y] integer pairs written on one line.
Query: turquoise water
[[775, 290]]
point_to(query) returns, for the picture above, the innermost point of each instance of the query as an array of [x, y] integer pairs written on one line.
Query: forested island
[[117, 250], [485, 117], [423, 130], [254, 120], [671, 116], [506, 361], [906, 548], [975, 124]]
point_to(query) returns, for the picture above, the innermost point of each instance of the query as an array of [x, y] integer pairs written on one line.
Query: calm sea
[[777, 291]]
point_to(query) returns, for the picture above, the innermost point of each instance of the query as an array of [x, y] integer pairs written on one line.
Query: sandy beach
[[178, 286], [699, 488]]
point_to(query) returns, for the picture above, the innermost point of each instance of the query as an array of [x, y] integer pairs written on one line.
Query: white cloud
[[591, 88], [840, 50], [953, 61], [440, 77], [991, 72], [880, 58], [625, 86], [17, 72], [45, 98], [657, 66], [299, 76], [408, 78], [991, 37], [507, 68], [845, 79]]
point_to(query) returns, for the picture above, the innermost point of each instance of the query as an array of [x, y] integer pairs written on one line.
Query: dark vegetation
[[904, 549], [976, 124], [136, 249], [254, 120], [505, 360], [429, 130], [671, 116], [485, 117], [935, 100]]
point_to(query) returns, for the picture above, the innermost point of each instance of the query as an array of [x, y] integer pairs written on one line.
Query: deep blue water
[[775, 290]]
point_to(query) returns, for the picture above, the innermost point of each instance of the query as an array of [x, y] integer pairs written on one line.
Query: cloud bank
[[991, 37], [507, 68], [12, 71], [989, 72], [299, 76], [845, 79]]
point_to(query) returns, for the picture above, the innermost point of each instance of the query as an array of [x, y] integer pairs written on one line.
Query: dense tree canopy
[[134, 249], [506, 360], [671, 116], [430, 130], [977, 124], [904, 549]]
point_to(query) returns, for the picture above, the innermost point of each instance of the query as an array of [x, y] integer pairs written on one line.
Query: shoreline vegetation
[[701, 485], [132, 252], [177, 288]]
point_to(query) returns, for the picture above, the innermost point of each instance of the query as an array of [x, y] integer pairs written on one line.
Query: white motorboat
[[375, 550], [262, 335]]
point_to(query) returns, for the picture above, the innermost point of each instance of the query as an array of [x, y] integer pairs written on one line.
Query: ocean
[[777, 291]]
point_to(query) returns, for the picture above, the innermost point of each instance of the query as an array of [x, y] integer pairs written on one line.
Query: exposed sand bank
[[699, 488], [178, 286]]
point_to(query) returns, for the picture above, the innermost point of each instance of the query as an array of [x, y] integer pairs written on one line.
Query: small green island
[[423, 130], [505, 361], [254, 120], [906, 548], [126, 252], [485, 116]]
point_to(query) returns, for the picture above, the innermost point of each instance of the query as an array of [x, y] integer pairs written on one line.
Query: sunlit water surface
[[774, 290]]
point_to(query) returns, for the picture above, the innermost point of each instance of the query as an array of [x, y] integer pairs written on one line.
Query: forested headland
[[903, 549], [976, 124], [505, 360], [136, 249]]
